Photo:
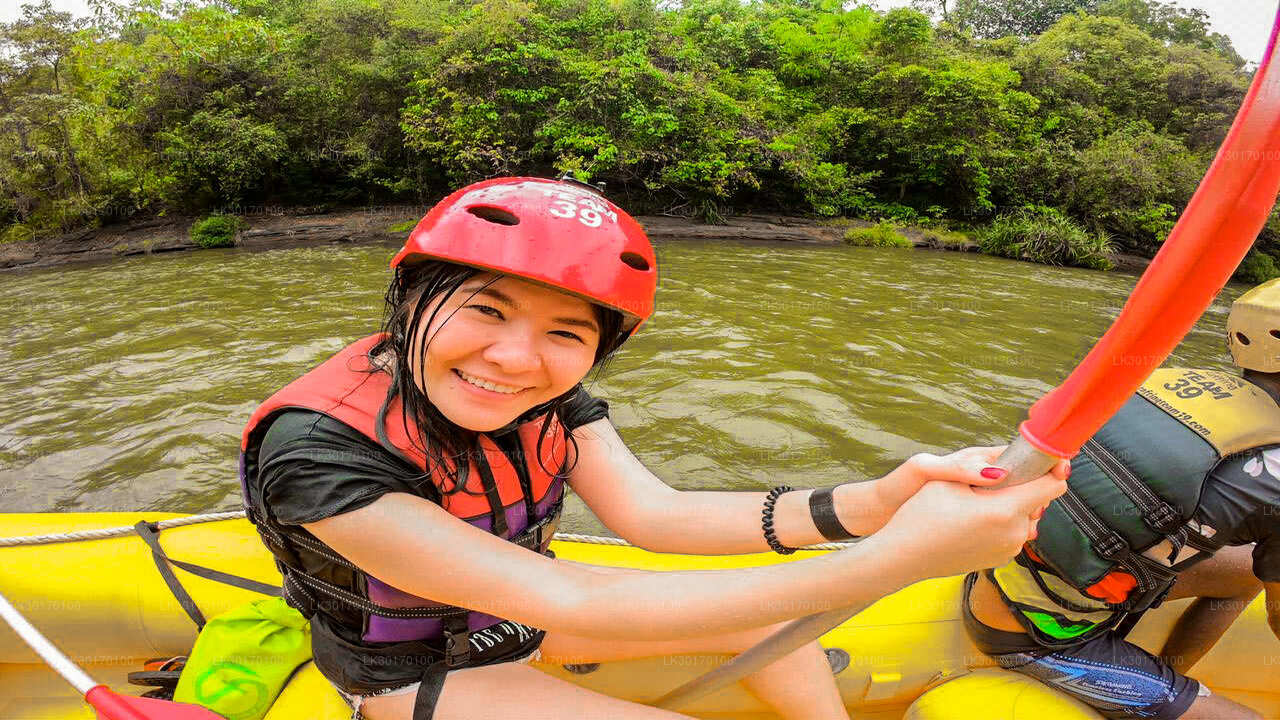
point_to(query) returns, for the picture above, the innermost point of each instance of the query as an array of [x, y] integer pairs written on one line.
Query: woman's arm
[[638, 506], [418, 547]]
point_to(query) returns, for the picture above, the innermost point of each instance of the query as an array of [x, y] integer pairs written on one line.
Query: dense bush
[[1045, 235], [882, 235], [1257, 268], [216, 231], [1132, 184]]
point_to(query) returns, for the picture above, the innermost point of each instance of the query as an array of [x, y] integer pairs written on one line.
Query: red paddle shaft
[[1213, 235]]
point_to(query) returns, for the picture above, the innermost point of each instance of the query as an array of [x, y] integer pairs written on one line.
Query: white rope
[[104, 533], [593, 539]]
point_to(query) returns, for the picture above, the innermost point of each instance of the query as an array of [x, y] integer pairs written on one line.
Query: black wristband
[[769, 537], [822, 509]]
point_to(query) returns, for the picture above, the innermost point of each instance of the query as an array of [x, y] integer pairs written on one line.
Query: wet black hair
[[447, 446]]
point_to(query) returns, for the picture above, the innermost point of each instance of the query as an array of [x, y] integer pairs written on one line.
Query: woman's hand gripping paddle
[[107, 704], [1213, 235]]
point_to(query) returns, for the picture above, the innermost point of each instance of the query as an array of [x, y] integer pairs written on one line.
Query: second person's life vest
[[1135, 485]]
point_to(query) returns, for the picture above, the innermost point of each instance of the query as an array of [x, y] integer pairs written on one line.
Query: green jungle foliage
[[1046, 235], [216, 231], [882, 235], [1257, 268], [1107, 110]]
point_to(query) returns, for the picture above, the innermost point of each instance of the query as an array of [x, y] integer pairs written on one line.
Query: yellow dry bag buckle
[[244, 657]]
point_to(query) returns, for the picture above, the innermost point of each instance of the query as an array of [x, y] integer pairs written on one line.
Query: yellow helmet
[[1253, 328]]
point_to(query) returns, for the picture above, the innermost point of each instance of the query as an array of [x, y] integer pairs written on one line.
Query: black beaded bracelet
[[769, 536]]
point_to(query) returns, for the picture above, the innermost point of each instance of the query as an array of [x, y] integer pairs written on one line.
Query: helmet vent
[[1242, 338], [634, 260], [494, 215]]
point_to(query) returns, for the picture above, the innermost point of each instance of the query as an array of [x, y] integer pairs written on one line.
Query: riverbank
[[286, 228]]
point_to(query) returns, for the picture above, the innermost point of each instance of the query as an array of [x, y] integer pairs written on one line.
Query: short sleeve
[[1266, 554], [312, 467], [582, 409], [1242, 500]]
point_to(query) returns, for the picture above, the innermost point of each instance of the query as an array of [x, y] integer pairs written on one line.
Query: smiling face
[[497, 348]]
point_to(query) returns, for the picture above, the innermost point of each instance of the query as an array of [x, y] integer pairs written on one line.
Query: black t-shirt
[[1242, 499]]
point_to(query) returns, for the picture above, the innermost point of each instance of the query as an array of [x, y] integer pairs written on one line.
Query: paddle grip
[[1024, 461]]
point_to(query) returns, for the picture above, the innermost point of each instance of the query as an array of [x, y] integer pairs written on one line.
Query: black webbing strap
[[424, 703], [1108, 543], [457, 653], [162, 564], [148, 532], [514, 452], [491, 494], [1158, 514], [1198, 541]]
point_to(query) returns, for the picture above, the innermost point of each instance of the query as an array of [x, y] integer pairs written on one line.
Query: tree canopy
[[1107, 110]]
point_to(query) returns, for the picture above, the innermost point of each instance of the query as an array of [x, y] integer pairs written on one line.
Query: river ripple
[[126, 384]]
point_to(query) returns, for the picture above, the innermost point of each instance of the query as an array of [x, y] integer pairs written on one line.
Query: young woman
[[409, 487]]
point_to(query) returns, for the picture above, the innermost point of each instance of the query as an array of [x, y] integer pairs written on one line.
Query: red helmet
[[555, 232]]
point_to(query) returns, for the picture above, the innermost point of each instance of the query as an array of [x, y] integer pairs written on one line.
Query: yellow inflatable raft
[[102, 601]]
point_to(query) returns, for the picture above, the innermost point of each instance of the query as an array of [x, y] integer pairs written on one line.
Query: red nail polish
[[993, 473], [1068, 471]]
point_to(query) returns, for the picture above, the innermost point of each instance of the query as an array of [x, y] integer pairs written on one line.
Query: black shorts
[[1117, 678]]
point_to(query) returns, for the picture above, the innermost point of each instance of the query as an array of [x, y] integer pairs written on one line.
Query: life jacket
[[1135, 485], [507, 492]]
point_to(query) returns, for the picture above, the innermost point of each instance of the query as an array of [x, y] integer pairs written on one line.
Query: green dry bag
[[243, 658]]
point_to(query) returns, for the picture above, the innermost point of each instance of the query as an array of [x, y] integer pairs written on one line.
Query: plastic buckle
[[457, 640], [457, 649], [1112, 546]]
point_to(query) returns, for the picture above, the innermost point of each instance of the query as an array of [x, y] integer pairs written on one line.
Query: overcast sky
[[1246, 22]]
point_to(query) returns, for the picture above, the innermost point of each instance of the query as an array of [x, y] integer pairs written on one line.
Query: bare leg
[[1223, 586], [511, 690], [1216, 707]]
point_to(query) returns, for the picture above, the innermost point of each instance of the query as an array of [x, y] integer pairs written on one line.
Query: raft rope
[[104, 533]]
